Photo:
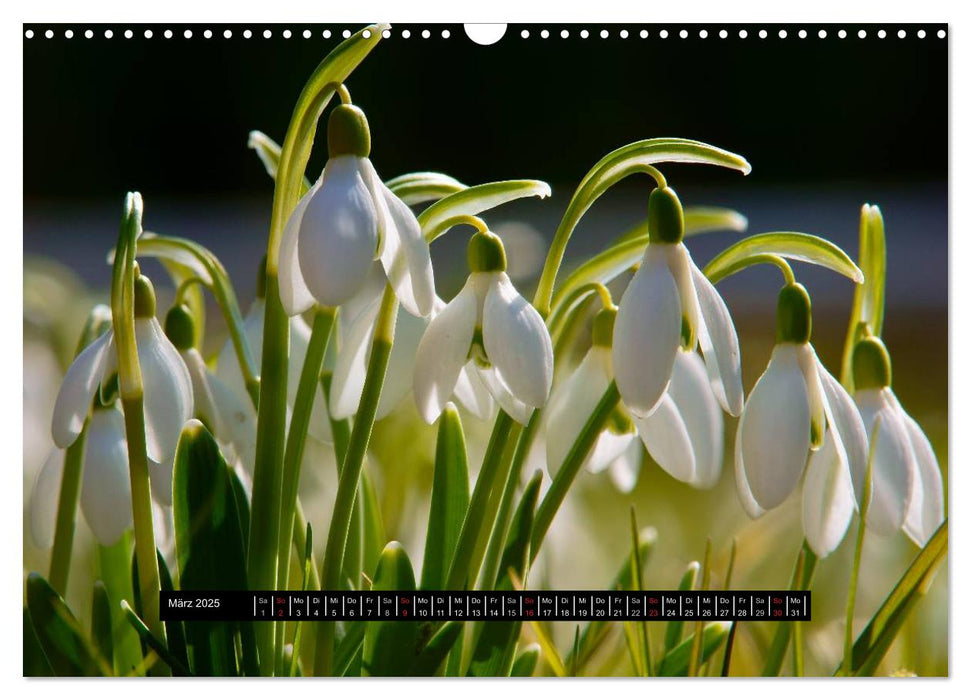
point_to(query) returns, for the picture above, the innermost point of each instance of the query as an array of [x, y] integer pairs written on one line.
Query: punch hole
[[486, 34]]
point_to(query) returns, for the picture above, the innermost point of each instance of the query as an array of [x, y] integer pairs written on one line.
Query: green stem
[[384, 328], [802, 577], [67, 508], [571, 467]]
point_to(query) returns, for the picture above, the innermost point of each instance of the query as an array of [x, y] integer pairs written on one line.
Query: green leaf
[[115, 564], [374, 532], [672, 635], [496, 647], [868, 298], [802, 577], [873, 643], [68, 651], [803, 247], [675, 662], [526, 663], [449, 502], [208, 542], [35, 663], [153, 642], [174, 631], [348, 648], [101, 632], [242, 504], [418, 188], [447, 212], [438, 647], [308, 571], [390, 647]]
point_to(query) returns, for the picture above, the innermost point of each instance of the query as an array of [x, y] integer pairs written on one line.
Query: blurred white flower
[[347, 220], [668, 304], [907, 491]]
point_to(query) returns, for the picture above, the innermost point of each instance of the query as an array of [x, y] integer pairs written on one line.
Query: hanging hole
[[485, 34]]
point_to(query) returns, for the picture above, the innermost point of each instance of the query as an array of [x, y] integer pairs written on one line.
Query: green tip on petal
[[665, 217], [871, 364], [486, 253], [794, 315], [603, 328], [348, 132], [144, 297], [180, 327]]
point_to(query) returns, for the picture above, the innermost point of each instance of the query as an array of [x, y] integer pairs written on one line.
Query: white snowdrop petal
[[473, 394], [167, 387], [294, 294], [300, 334], [665, 436], [369, 294], [44, 498], [161, 477], [517, 342], [570, 407], [203, 400], [338, 234], [774, 432], [608, 448], [814, 390], [625, 470], [719, 344], [77, 390], [106, 484], [227, 363], [680, 264], [926, 512], [238, 418], [443, 352], [843, 413], [702, 416], [493, 380], [745, 497], [827, 498], [894, 467], [408, 332], [647, 333], [351, 366], [404, 252]]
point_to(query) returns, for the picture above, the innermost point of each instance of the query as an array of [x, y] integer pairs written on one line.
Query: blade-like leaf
[[153, 642], [803, 247], [390, 647], [526, 663], [417, 188], [672, 635], [675, 662], [438, 647], [101, 637], [374, 533], [68, 651], [802, 577], [450, 500], [442, 215], [868, 298]]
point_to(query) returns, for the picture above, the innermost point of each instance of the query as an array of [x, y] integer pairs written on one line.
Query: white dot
[[941, 34], [386, 34], [148, 33], [584, 33], [703, 33], [425, 34], [842, 34], [921, 34], [783, 33], [604, 33], [763, 34], [524, 34], [564, 34], [286, 34], [861, 33], [446, 34], [88, 34], [29, 34], [623, 34], [723, 34], [901, 34], [643, 34], [346, 34], [742, 34], [544, 34], [267, 33], [326, 34], [228, 34], [49, 33], [168, 33], [247, 33], [129, 33], [207, 34], [802, 33], [664, 34], [822, 33], [69, 34], [187, 34], [881, 34], [684, 34], [406, 34], [366, 34], [109, 33]]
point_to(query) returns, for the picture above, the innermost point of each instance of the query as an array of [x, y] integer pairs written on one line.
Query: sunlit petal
[[625, 470], [827, 498], [926, 512], [167, 386], [719, 344], [44, 498], [351, 366], [500, 391], [745, 497], [294, 294], [106, 485], [665, 436], [702, 416], [473, 394], [77, 390], [843, 413]]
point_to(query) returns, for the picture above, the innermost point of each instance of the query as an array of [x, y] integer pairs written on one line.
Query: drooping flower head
[[493, 331], [907, 491], [798, 410], [670, 304], [347, 221]]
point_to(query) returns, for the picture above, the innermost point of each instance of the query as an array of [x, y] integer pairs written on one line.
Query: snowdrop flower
[[228, 416], [493, 331], [796, 410], [228, 371], [684, 435], [668, 304], [907, 491], [347, 220], [165, 379]]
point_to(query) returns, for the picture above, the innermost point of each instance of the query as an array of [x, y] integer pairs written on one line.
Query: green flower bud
[[486, 253], [180, 327], [144, 297], [794, 315], [871, 364], [348, 132], [665, 217], [603, 328]]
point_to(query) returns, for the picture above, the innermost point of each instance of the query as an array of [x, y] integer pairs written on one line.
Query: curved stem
[[563, 307], [381, 345], [67, 508]]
